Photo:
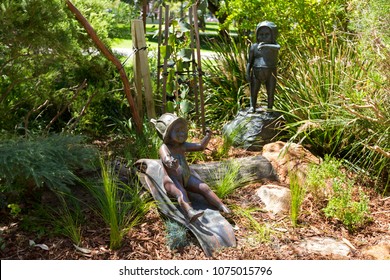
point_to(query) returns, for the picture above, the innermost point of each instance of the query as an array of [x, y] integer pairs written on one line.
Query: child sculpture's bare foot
[[223, 208], [193, 215]]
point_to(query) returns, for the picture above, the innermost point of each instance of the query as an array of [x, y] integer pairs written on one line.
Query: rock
[[276, 198], [378, 252], [287, 157], [324, 246], [252, 130]]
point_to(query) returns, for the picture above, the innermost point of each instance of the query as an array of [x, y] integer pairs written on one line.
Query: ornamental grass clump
[[226, 83], [121, 206], [67, 218], [333, 104], [262, 232], [297, 197], [228, 179]]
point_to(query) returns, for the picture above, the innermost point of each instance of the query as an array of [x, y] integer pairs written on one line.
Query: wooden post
[[144, 13], [165, 74], [193, 63], [200, 73], [137, 73], [158, 49], [139, 43], [107, 53]]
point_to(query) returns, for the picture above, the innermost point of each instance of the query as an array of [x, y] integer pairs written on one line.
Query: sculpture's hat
[[270, 25], [165, 124]]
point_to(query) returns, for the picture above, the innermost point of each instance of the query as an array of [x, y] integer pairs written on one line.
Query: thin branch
[[26, 119], [82, 112], [378, 149], [370, 106], [360, 115], [107, 53], [9, 89], [77, 92]]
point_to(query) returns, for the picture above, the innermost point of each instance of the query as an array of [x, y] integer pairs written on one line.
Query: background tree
[[49, 66]]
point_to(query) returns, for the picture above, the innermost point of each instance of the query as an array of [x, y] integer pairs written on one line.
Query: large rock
[[324, 246], [252, 130], [379, 251], [289, 157], [277, 199]]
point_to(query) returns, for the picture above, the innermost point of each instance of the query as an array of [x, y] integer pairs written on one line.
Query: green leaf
[[186, 106], [185, 54], [170, 107]]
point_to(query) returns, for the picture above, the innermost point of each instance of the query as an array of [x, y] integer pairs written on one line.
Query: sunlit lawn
[[121, 36]]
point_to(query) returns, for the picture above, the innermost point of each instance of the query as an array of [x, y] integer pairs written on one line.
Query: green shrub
[[176, 235], [293, 18], [353, 214], [329, 181], [29, 164], [318, 176], [44, 62]]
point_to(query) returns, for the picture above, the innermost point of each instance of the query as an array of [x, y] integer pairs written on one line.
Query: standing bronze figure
[[262, 62]]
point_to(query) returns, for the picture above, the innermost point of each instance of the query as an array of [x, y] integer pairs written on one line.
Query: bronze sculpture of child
[[262, 62], [178, 177]]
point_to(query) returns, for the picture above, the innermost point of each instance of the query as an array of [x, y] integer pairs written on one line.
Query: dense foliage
[[50, 70], [27, 166], [293, 18], [333, 84]]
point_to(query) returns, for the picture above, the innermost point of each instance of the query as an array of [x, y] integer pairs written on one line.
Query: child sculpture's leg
[[270, 86], [254, 88], [196, 185], [180, 194]]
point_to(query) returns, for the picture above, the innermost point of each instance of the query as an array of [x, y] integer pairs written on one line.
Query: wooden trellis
[[196, 65]]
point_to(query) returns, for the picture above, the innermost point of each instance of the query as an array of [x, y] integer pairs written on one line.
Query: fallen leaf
[[42, 246], [83, 250], [346, 241]]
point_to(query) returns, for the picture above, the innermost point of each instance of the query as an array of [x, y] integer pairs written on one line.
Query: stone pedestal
[[252, 130]]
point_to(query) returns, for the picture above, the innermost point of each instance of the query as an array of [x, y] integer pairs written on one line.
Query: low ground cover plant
[[29, 165]]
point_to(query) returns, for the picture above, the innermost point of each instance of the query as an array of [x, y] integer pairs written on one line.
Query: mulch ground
[[148, 240]]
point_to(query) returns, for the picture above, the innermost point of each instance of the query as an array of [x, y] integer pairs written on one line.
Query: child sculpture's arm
[[249, 65], [193, 147], [167, 159], [271, 46]]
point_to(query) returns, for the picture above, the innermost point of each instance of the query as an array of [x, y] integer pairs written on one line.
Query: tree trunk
[[214, 9], [252, 169]]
